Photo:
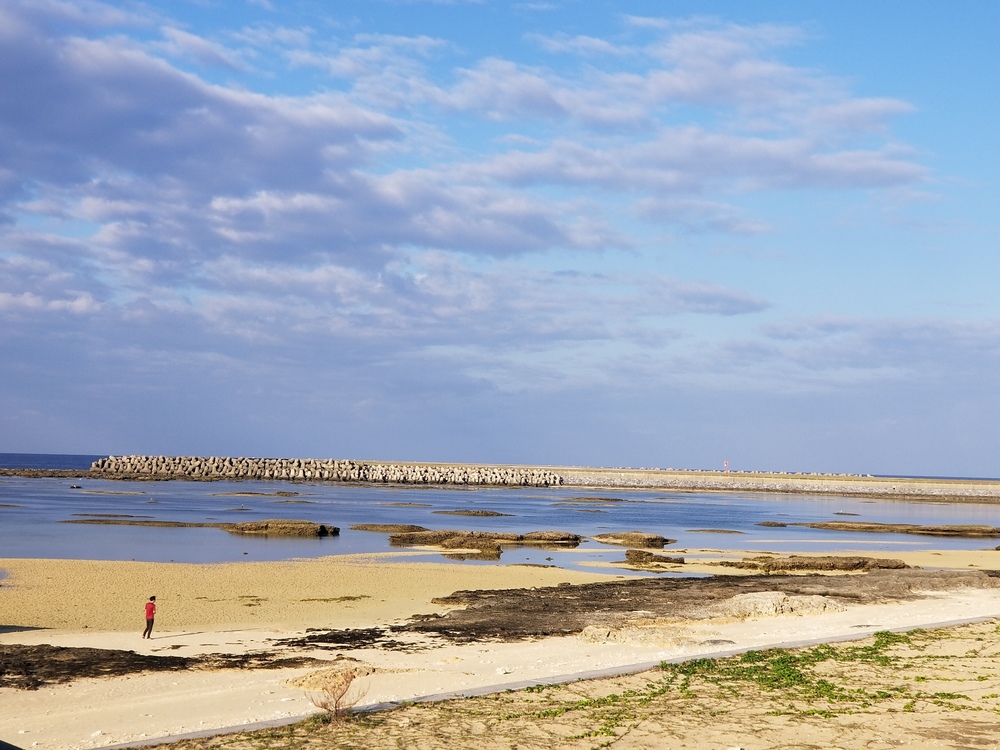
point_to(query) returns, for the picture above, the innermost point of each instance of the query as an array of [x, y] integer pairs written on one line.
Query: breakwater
[[317, 469], [850, 485], [379, 472]]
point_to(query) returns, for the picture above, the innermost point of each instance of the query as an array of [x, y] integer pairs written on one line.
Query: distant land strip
[[213, 468]]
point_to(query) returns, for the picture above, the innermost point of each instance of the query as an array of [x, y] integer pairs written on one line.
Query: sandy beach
[[262, 608]]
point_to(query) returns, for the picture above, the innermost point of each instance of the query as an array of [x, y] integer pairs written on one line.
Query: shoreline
[[248, 608]]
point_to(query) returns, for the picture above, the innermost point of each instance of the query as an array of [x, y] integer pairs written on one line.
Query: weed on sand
[[937, 688]]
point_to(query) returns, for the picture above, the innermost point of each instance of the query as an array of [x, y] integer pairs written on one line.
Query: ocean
[[46, 461], [34, 514]]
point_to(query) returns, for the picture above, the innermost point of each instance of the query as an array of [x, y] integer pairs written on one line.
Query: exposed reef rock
[[387, 528], [282, 528], [552, 537], [905, 528], [484, 545], [666, 631], [771, 603], [641, 558], [510, 615], [713, 531], [812, 563], [637, 539]]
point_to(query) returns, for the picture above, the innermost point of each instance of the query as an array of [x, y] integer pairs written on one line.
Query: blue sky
[[643, 233]]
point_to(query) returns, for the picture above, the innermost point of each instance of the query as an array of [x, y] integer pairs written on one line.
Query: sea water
[[34, 515], [46, 461]]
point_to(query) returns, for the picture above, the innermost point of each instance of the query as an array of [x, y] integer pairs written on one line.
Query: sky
[[647, 234]]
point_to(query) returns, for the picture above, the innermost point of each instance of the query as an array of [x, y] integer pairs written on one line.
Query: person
[[150, 614]]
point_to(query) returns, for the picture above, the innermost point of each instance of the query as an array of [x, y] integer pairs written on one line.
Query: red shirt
[[150, 610]]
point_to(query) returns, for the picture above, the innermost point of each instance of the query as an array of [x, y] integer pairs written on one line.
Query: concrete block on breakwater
[[315, 469]]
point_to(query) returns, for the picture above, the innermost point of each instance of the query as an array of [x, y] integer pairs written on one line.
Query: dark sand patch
[[33, 667]]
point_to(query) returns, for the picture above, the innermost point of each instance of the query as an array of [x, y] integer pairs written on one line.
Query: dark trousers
[[149, 628]]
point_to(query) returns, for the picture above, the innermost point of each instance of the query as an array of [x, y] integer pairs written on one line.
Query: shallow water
[[32, 512]]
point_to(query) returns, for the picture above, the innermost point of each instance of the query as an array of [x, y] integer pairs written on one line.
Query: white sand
[[94, 713]]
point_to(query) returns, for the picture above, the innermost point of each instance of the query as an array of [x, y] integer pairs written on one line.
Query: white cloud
[[273, 35], [180, 43], [856, 115], [823, 350], [81, 304], [700, 215], [189, 183], [173, 166], [580, 44], [83, 13]]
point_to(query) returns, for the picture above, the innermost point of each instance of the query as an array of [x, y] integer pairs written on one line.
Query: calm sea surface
[[46, 461], [33, 512]]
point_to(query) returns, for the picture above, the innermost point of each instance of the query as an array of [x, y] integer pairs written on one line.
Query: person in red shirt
[[150, 614]]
